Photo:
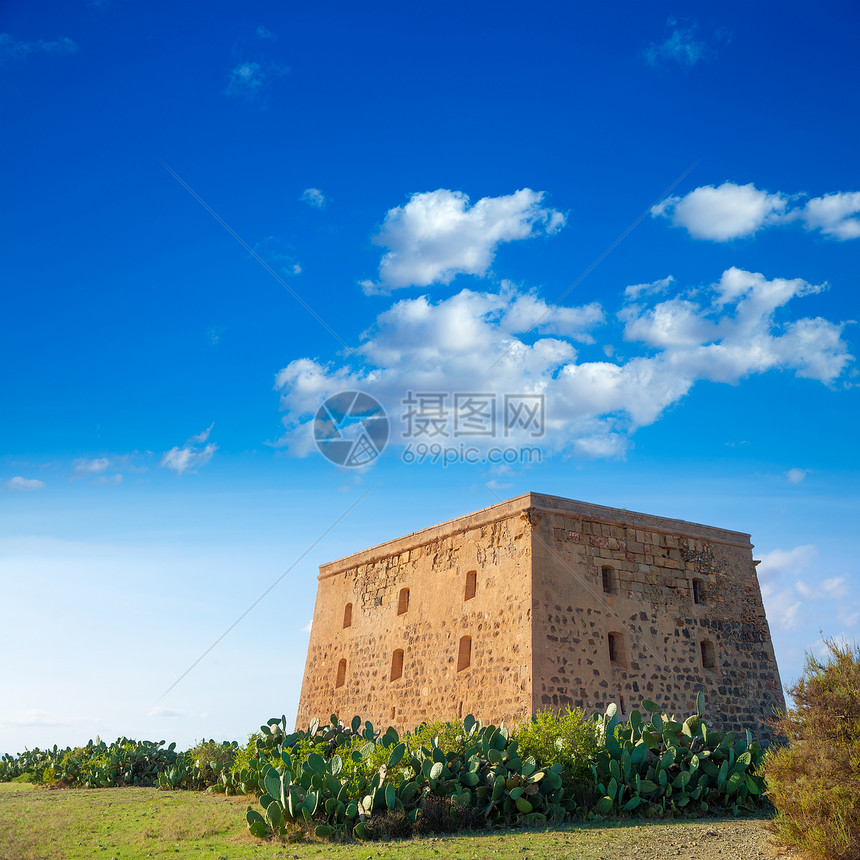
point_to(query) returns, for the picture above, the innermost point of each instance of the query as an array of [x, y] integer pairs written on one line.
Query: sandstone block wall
[[541, 602], [435, 566]]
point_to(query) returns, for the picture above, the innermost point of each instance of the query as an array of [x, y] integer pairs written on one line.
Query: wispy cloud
[[681, 45], [83, 467], [248, 80], [265, 34], [189, 457], [35, 718], [165, 713], [24, 485], [730, 211], [796, 476], [313, 197], [654, 288], [109, 480], [437, 235], [782, 598], [279, 254], [16, 49], [794, 591], [203, 436]]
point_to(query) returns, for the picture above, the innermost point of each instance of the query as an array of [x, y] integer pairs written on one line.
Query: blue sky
[[216, 216]]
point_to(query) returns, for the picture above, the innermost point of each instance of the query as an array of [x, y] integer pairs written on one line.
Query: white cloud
[[724, 212], [680, 46], [437, 235], [313, 197], [180, 460], [307, 627], [730, 211], [16, 49], [796, 476], [84, 468], [188, 457], [475, 342], [834, 215], [780, 563], [735, 335], [24, 485], [264, 34]]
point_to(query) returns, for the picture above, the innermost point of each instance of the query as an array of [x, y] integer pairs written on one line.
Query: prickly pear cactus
[[655, 764]]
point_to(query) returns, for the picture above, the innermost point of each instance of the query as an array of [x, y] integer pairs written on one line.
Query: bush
[[97, 765], [209, 760], [814, 780], [246, 753], [569, 738], [656, 765], [359, 783]]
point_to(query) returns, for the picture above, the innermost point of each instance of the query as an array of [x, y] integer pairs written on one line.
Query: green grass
[[127, 823]]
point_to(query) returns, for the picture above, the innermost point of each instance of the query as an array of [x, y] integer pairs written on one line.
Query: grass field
[[127, 823]]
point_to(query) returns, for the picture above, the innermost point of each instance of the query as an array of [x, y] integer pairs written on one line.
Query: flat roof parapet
[[542, 504]]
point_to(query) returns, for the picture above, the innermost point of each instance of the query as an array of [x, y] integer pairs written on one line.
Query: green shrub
[[345, 781], [814, 780], [657, 765], [245, 753], [449, 736], [569, 738], [97, 765], [210, 759]]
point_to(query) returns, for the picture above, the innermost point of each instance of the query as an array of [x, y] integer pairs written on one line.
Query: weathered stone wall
[[540, 620], [433, 564], [652, 610]]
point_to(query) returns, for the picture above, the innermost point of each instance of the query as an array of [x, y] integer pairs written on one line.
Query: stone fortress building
[[539, 603]]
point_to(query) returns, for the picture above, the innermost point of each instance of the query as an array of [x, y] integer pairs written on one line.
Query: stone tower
[[537, 603]]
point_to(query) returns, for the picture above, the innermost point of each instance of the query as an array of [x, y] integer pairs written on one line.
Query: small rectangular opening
[[464, 654], [607, 574], [709, 658], [396, 664], [698, 591], [341, 674], [615, 642], [471, 584], [347, 615], [403, 601]]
